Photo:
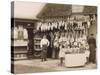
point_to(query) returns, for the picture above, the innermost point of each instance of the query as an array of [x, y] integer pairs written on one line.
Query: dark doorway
[[30, 41], [49, 52]]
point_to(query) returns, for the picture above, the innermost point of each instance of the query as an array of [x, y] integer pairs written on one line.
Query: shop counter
[[75, 60]]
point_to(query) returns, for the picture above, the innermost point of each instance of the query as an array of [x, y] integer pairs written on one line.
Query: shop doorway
[[30, 41], [49, 52]]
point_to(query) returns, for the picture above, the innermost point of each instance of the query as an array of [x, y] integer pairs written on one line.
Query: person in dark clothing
[[56, 47], [92, 48]]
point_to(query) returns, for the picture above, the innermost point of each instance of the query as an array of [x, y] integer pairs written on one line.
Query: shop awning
[[32, 10], [61, 10], [55, 10]]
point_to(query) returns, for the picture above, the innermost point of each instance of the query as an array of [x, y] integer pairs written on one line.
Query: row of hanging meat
[[63, 25]]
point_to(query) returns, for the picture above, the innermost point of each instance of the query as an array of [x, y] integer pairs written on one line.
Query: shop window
[[19, 33]]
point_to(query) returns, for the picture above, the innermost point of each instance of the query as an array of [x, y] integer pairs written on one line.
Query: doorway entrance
[[30, 41]]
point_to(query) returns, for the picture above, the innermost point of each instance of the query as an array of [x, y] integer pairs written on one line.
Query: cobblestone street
[[35, 65]]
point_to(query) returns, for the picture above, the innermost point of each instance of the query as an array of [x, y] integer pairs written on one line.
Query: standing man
[[92, 47], [56, 47], [44, 45]]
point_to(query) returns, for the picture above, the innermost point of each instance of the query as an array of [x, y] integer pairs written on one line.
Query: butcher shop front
[[52, 37], [64, 27]]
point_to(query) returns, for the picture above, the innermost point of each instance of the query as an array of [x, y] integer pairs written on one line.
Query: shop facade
[[62, 28]]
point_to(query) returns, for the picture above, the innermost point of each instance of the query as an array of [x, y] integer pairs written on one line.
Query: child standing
[[62, 54]]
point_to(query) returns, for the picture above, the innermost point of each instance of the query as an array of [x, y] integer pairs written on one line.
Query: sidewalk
[[35, 65]]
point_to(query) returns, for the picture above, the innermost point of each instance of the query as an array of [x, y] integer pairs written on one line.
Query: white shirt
[[62, 52], [44, 42]]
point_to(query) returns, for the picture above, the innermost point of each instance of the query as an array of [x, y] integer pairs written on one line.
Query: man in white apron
[[44, 45]]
